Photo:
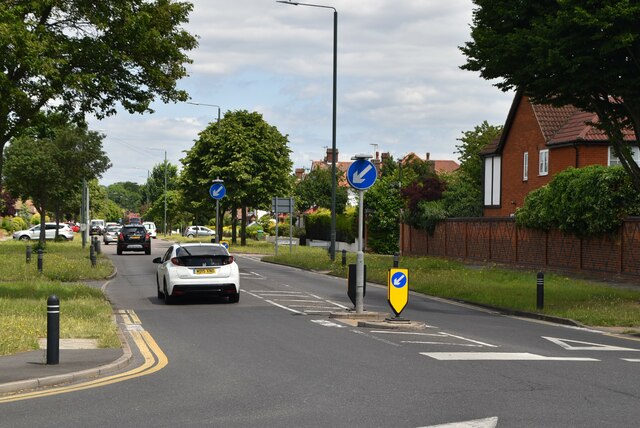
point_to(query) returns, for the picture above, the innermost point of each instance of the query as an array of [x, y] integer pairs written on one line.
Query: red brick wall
[[499, 240]]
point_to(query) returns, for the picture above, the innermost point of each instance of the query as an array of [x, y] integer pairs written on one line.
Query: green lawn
[[85, 312]]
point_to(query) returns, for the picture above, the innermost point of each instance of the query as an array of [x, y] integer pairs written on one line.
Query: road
[[276, 359]]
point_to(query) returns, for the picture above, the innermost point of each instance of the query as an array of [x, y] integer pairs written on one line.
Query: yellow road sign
[[398, 289]]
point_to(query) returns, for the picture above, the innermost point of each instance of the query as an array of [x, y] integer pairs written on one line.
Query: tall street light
[[207, 105], [332, 248]]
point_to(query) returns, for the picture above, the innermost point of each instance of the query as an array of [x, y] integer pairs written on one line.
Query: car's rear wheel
[[168, 299], [119, 251], [190, 235], [24, 238], [160, 293], [234, 298], [147, 250]]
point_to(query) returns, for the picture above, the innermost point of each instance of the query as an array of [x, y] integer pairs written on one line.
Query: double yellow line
[[154, 360]]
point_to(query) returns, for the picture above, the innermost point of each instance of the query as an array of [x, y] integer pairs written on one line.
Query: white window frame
[[614, 161], [525, 166], [492, 180], [543, 162]]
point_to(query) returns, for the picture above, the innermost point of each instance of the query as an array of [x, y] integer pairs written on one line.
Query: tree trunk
[[43, 226], [234, 224], [243, 227]]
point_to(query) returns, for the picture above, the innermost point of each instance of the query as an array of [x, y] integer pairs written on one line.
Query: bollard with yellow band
[[398, 289]]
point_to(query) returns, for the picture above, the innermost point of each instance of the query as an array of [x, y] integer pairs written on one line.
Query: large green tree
[[251, 156], [584, 53], [49, 166], [126, 194], [314, 190], [85, 56]]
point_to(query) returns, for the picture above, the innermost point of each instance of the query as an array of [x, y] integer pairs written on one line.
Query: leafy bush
[[318, 225], [18, 223], [584, 201], [427, 215]]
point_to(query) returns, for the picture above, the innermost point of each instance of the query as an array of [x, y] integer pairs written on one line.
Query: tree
[[314, 190], [154, 186], [252, 158], [583, 53], [384, 203], [126, 194], [47, 167], [79, 56]]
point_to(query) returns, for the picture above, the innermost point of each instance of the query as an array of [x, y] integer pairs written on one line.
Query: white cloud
[[399, 81]]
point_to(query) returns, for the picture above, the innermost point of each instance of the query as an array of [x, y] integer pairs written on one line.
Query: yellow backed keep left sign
[[398, 289]]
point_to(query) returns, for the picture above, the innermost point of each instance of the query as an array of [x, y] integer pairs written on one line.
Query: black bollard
[[29, 253], [396, 260], [540, 291], [40, 259], [92, 255], [344, 257], [97, 245], [53, 330]]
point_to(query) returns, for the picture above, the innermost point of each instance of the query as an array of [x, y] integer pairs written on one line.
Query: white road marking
[[326, 323], [631, 360], [470, 340], [417, 342], [370, 336], [313, 307], [566, 344], [409, 333], [337, 304], [496, 356], [296, 301], [477, 423], [283, 307]]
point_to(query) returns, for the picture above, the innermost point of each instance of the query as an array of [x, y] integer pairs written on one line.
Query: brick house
[[537, 142]]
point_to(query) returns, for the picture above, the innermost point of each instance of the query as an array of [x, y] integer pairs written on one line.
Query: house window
[[492, 175], [614, 160], [543, 162], [525, 166]]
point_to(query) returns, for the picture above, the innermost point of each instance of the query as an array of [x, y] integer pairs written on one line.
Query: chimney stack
[[428, 156], [330, 155]]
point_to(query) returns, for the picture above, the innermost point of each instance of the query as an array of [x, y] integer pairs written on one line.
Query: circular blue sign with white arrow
[[217, 191], [362, 174], [399, 279]]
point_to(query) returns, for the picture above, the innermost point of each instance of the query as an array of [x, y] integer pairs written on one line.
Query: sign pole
[[360, 258], [217, 220]]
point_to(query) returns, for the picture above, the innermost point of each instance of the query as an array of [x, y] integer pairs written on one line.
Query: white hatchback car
[[64, 232], [151, 228], [199, 269]]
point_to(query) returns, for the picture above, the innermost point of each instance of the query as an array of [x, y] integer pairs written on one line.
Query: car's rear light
[[121, 236], [228, 260], [177, 261], [148, 236]]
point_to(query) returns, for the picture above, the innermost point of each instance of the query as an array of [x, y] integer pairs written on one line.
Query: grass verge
[[590, 303], [62, 261], [85, 314]]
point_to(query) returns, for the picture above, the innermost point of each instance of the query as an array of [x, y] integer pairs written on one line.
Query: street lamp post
[[208, 105], [165, 187], [332, 248]]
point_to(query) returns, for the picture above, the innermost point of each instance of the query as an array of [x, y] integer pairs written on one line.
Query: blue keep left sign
[[362, 174], [399, 279], [217, 191]]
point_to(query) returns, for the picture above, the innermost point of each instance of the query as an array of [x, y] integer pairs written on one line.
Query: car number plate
[[133, 237], [207, 271]]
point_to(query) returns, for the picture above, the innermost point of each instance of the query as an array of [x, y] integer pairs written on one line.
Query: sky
[[400, 88]]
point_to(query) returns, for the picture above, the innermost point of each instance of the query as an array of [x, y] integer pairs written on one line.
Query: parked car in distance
[[64, 231], [151, 227], [134, 237], [74, 226], [96, 227], [199, 269], [195, 231], [111, 234]]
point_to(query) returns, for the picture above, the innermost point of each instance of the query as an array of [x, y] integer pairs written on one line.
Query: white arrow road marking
[[631, 360], [477, 423], [496, 356], [358, 176], [566, 344]]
